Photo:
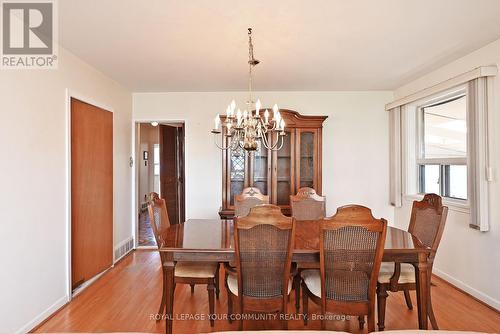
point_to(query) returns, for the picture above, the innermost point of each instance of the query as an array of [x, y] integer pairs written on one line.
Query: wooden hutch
[[278, 174]]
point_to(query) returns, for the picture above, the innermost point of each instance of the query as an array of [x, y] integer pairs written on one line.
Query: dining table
[[211, 240]]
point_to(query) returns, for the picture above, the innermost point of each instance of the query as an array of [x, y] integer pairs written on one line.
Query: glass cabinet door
[[307, 156], [261, 165], [283, 169], [237, 162]]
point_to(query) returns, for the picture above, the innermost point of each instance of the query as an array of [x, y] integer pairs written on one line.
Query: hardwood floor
[[127, 297]]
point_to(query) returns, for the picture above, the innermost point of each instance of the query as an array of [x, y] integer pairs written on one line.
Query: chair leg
[[371, 320], [296, 286], [211, 301], [305, 306], [240, 325], [361, 320], [217, 286], [432, 317], [163, 302], [284, 320], [381, 301], [192, 288], [229, 306], [408, 299]]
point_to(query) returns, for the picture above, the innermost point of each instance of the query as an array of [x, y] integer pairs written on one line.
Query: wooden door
[[172, 171], [91, 191]]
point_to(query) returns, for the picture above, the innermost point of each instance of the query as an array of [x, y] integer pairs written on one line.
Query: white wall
[[355, 143], [468, 258], [33, 221]]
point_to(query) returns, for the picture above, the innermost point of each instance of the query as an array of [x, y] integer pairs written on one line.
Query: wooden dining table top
[[212, 240]]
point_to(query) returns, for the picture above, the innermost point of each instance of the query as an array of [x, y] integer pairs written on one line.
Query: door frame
[[135, 183], [70, 93]]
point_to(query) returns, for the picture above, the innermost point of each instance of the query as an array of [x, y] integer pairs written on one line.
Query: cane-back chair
[[191, 273], [248, 198], [306, 205], [263, 245], [428, 218], [351, 249]]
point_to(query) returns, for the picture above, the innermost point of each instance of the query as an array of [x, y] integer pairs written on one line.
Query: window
[[440, 141], [442, 146]]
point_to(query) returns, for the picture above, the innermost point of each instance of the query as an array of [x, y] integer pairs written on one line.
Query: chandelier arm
[[281, 146], [217, 144], [265, 141]]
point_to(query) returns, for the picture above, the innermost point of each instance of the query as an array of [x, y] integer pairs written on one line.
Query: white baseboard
[[44, 315], [470, 290]]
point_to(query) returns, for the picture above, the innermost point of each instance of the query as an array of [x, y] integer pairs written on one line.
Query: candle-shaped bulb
[[238, 117], [233, 105], [266, 116], [217, 122], [228, 111], [282, 125], [245, 114], [275, 110], [277, 118], [257, 107]]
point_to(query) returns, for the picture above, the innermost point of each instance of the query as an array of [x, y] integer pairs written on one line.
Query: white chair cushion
[[195, 269], [232, 283], [387, 270], [312, 279]]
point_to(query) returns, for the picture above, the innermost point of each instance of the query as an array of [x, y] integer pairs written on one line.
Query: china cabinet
[[279, 173]]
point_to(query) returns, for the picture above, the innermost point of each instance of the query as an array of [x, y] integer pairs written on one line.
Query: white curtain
[[395, 157], [479, 170]]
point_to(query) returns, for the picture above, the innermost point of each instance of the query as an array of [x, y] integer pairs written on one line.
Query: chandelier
[[244, 129]]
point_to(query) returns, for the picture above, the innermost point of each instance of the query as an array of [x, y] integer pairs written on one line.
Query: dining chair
[[263, 246], [306, 205], [191, 273], [428, 218], [351, 249], [248, 198]]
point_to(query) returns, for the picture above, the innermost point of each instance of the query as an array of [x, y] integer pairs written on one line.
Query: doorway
[[91, 191], [160, 169]]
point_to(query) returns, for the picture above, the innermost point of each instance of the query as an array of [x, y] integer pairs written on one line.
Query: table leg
[[422, 290], [169, 267]]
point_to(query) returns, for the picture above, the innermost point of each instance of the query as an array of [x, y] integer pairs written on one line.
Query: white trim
[[482, 71], [135, 183], [467, 288], [74, 94], [453, 204], [44, 315]]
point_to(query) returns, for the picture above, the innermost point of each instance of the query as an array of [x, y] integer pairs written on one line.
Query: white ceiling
[[201, 45]]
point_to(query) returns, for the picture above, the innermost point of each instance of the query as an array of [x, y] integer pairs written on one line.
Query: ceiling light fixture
[[154, 123], [246, 128]]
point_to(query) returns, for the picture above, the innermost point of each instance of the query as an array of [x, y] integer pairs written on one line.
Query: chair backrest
[[248, 198], [351, 249], [158, 217], [307, 205], [263, 245], [427, 221]]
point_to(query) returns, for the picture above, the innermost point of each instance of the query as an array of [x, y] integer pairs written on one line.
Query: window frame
[[416, 159]]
